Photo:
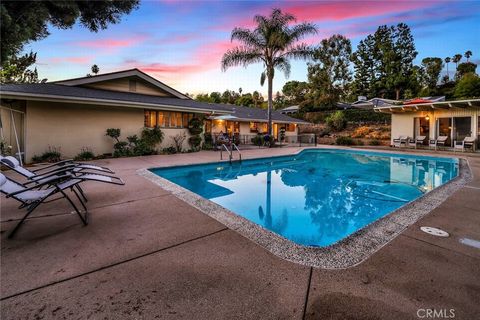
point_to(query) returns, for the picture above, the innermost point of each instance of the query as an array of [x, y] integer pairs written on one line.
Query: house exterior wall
[[70, 127], [403, 123], [73, 126]]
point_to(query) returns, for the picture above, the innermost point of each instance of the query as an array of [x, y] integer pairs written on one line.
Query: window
[[259, 127], [167, 119]]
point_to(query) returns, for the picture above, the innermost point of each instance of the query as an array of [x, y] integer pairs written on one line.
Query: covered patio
[[453, 119]]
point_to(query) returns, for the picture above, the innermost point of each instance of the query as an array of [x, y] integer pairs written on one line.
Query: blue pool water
[[317, 197]]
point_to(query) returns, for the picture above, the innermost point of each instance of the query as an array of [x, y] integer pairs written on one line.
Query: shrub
[[178, 141], [195, 126], [5, 148], [52, 154], [257, 140], [344, 141], [135, 146], [85, 154], [361, 132], [359, 142], [169, 150], [195, 141], [374, 142], [336, 121]]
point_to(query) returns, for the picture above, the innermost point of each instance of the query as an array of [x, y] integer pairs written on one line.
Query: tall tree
[[365, 67], [25, 21], [464, 68], [456, 59], [294, 92], [468, 54], [447, 61], [384, 62], [95, 69], [272, 42], [432, 66], [329, 75]]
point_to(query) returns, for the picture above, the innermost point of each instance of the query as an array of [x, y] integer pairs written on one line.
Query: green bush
[[359, 142], [52, 154], [85, 154], [135, 146], [195, 126], [258, 140], [336, 121], [195, 141], [468, 87], [374, 142], [169, 150], [344, 141]]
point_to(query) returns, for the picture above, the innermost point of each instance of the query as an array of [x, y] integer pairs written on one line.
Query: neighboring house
[[290, 110], [75, 113], [433, 117]]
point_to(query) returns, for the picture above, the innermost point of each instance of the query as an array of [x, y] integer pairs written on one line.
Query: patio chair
[[14, 164], [34, 196], [57, 169], [441, 141], [420, 140], [466, 143], [400, 140]]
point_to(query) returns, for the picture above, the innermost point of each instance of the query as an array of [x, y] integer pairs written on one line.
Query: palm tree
[[273, 42], [447, 61], [95, 69], [456, 59], [468, 54]]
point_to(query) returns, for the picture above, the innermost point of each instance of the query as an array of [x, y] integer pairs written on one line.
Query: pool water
[[316, 197]]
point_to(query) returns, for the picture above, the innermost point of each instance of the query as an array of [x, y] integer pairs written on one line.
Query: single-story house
[[75, 113], [435, 117]]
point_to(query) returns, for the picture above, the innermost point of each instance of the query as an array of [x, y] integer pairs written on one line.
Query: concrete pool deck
[[146, 254]]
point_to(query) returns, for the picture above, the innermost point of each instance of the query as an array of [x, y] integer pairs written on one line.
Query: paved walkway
[[148, 255]]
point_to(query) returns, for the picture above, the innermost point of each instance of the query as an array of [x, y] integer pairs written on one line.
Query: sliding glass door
[[421, 127], [456, 128], [462, 127]]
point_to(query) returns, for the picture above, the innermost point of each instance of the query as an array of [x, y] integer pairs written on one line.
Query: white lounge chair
[[466, 143], [401, 140], [420, 140], [439, 142]]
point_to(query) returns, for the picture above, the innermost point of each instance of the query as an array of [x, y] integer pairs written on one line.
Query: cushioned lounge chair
[[466, 143], [402, 140], [420, 141], [441, 141]]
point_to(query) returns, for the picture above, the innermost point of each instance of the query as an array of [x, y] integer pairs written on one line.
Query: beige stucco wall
[[73, 126], [403, 123]]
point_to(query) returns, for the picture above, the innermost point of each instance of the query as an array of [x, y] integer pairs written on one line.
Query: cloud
[[74, 60], [111, 45]]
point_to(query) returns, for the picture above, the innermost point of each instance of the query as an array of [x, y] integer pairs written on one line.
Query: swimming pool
[[317, 197]]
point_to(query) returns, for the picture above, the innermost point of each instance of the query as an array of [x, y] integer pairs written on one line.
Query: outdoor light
[[427, 118]]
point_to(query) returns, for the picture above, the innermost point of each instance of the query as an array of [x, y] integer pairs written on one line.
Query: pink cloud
[[77, 60], [331, 11], [111, 45]]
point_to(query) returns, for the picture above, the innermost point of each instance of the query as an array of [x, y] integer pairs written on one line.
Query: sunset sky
[[181, 43]]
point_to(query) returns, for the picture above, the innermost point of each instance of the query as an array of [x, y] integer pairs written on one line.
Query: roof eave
[[105, 102]]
